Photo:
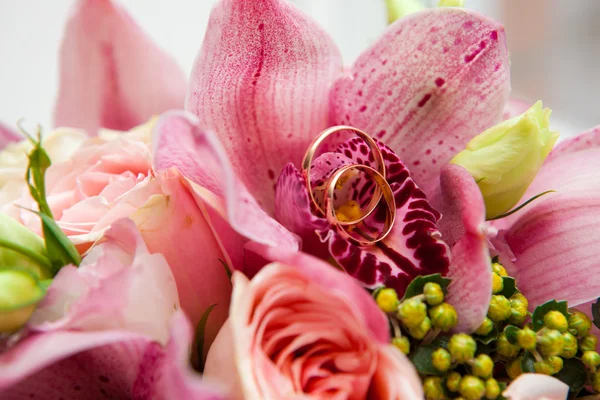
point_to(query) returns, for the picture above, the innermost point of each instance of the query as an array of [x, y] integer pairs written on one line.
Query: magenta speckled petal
[[515, 107], [583, 141], [433, 81], [8, 135], [261, 83]]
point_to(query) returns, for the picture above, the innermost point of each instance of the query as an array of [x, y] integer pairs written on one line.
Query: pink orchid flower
[[111, 328]]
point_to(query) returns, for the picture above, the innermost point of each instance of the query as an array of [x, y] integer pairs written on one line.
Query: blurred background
[[554, 47]]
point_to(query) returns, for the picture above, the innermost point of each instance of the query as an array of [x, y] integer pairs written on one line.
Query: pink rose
[[307, 331]]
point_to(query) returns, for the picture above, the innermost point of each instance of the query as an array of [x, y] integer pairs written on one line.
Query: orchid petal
[[514, 107], [582, 141], [8, 135], [463, 226], [180, 142], [433, 81], [536, 387], [264, 89], [112, 74]]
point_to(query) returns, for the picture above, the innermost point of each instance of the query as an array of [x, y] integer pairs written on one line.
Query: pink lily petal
[[180, 142], [433, 81], [112, 75], [8, 135], [264, 88], [536, 387], [582, 141], [514, 107], [463, 225]]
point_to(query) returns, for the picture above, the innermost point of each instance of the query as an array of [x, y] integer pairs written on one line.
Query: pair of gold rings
[[354, 229]]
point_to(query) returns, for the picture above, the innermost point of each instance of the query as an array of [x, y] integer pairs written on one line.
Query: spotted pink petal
[[180, 142], [515, 107], [463, 226], [261, 83], [433, 81], [582, 141], [8, 135], [536, 387], [112, 75]]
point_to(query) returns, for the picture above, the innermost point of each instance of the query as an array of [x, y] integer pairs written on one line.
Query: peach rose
[[307, 331]]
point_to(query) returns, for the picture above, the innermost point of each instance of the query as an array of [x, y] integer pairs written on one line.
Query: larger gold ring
[[312, 150], [387, 194]]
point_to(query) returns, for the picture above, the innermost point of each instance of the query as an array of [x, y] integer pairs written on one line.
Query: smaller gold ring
[[385, 190], [312, 150]]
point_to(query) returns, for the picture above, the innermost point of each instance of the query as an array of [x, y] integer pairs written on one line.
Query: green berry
[[570, 345], [441, 360], [412, 312], [499, 269], [462, 347], [588, 342], [557, 363], [591, 359], [471, 388], [505, 348], [419, 332], [519, 296], [483, 366], [543, 367], [432, 386], [518, 312], [527, 339], [499, 308], [434, 294], [579, 323], [402, 343], [513, 369], [485, 328], [556, 320], [596, 381], [453, 381], [387, 300], [551, 342], [443, 316], [492, 388], [497, 283]]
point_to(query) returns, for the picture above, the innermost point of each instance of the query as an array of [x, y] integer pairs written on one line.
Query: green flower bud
[[497, 283], [505, 348], [588, 342], [485, 328], [505, 158], [557, 363], [518, 312], [551, 342], [527, 339], [434, 294], [453, 381], [462, 347], [432, 386], [412, 312], [579, 323], [591, 359], [443, 316], [419, 332], [596, 381], [441, 360], [499, 308], [543, 367], [513, 369], [401, 8], [20, 247], [451, 3], [471, 388], [499, 269], [556, 320], [387, 300], [570, 345], [492, 388], [20, 291], [483, 366], [402, 343]]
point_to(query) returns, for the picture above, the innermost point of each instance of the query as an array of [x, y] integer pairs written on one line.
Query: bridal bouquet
[[284, 226]]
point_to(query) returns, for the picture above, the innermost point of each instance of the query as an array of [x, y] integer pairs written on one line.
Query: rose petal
[[8, 135], [432, 82], [536, 387], [386, 384], [112, 75], [263, 90], [180, 142]]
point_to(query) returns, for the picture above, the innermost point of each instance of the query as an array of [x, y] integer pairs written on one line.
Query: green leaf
[[510, 286], [421, 358], [415, 288], [573, 374], [537, 318], [596, 313], [489, 338], [514, 210], [511, 333], [200, 330], [527, 362], [60, 249]]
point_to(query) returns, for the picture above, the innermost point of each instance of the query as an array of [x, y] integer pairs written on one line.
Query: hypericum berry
[[402, 343], [519, 296], [556, 320], [453, 381], [499, 308], [441, 359], [499, 269], [513, 369], [483, 366], [505, 348], [432, 386], [518, 312], [387, 300], [591, 359], [462, 347], [570, 345], [443, 316], [492, 388], [557, 363], [551, 342], [543, 367], [485, 328], [588, 342], [579, 323], [471, 387], [497, 283], [419, 332], [434, 294], [412, 312], [596, 381], [527, 338]]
